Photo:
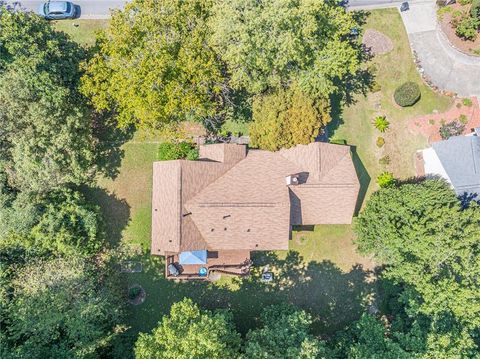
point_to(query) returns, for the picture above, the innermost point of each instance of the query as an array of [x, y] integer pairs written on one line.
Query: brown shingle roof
[[251, 201], [237, 202]]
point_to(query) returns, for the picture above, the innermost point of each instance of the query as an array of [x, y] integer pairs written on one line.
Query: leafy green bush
[[463, 119], [385, 179], [381, 123], [407, 94], [467, 102], [380, 142], [475, 9], [464, 2], [450, 129], [134, 292], [467, 27], [177, 151]]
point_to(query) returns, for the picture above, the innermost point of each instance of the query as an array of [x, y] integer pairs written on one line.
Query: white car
[[57, 10]]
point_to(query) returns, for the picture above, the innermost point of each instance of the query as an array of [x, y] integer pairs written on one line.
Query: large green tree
[[429, 244], [287, 118], [285, 333], [154, 65], [189, 333], [268, 44], [60, 308], [28, 39], [46, 136]]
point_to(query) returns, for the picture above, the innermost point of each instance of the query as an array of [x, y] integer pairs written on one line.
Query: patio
[[191, 265]]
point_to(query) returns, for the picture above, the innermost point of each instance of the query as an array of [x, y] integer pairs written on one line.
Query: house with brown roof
[[209, 214]]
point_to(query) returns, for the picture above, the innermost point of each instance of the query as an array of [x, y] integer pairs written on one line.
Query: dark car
[[404, 7], [57, 10]]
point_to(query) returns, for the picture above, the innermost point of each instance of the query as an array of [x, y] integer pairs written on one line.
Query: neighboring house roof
[[231, 200], [460, 158]]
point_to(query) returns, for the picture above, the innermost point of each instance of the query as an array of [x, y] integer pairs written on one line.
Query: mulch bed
[[377, 42], [429, 125], [465, 46]]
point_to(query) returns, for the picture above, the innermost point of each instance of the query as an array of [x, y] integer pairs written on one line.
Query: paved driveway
[[444, 66]]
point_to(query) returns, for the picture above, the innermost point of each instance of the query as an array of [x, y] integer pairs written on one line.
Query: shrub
[[376, 87], [385, 160], [385, 179], [464, 2], [467, 102], [407, 94], [134, 292], [450, 129], [467, 27], [381, 123], [431, 121], [443, 10], [456, 17], [380, 141], [463, 119], [475, 9], [177, 151]]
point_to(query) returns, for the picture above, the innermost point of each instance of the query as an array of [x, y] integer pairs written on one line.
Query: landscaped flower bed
[[461, 24]]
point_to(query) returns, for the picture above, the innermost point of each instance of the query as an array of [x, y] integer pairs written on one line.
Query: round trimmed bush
[[407, 94]]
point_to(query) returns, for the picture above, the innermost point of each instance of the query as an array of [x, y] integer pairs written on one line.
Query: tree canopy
[[285, 333], [287, 118], [189, 333], [429, 242], [46, 137], [154, 65], [60, 309], [29, 40], [269, 44]]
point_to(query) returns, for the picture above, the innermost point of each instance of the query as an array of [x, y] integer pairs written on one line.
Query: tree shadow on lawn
[[115, 212], [334, 298], [109, 139]]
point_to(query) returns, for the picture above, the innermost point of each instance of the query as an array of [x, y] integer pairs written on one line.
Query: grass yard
[[81, 31], [354, 122], [322, 272]]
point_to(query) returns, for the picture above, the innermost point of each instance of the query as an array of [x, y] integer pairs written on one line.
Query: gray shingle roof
[[460, 157]]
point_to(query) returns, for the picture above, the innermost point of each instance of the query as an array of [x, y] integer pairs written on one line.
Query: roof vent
[[292, 180]]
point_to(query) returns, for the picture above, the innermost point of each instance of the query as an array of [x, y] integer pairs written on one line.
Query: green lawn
[[354, 123], [81, 31]]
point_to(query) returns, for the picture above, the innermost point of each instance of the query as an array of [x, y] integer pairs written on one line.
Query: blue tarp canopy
[[193, 257]]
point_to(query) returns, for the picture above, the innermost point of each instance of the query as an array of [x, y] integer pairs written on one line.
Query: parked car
[[57, 10], [404, 6]]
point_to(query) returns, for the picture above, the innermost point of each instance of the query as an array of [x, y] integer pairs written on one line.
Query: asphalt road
[[100, 9], [90, 9]]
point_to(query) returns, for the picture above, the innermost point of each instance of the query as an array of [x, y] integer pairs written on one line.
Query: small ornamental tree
[[381, 123], [287, 118], [407, 94], [451, 129]]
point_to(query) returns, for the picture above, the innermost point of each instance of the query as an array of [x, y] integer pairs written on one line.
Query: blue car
[[57, 10]]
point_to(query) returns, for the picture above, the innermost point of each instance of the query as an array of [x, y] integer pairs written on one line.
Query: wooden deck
[[229, 262]]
